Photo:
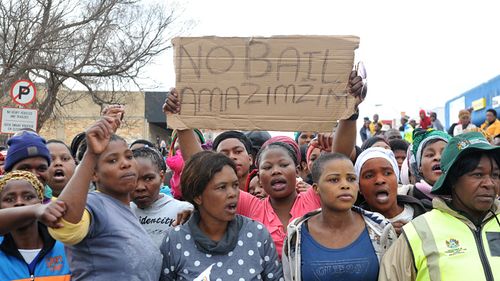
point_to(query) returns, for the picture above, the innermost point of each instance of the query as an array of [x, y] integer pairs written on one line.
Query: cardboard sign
[[284, 83], [15, 119]]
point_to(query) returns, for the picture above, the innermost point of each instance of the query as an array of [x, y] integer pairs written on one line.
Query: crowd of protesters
[[411, 203]]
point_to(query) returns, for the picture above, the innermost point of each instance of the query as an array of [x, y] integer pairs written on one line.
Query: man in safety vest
[[460, 238]]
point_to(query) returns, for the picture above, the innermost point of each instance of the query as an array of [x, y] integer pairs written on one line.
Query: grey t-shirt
[[116, 248], [160, 216], [253, 258]]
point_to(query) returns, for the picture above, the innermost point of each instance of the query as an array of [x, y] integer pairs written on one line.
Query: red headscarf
[[286, 140], [249, 179]]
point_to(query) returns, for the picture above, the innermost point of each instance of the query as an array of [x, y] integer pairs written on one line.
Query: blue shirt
[[166, 190], [357, 261]]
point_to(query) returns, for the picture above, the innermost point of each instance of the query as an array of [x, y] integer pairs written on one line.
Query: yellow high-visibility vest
[[445, 248]]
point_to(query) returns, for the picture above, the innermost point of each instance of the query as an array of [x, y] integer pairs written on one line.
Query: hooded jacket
[[380, 230], [426, 121]]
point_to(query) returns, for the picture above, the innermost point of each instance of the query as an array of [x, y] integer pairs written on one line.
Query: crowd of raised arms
[[412, 203]]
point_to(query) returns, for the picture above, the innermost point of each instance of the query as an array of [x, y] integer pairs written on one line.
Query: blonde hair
[[463, 112], [26, 176]]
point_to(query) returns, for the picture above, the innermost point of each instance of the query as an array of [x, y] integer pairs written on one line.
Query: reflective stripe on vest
[[444, 248]]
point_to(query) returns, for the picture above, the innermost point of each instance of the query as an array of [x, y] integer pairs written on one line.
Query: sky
[[418, 54]]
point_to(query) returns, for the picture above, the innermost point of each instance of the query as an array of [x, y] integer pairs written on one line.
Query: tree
[[101, 44]]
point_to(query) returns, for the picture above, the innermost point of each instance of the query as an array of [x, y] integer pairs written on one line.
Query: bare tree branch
[[102, 44]]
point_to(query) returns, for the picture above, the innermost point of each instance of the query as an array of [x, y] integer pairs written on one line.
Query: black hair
[[80, 150], [233, 135], [143, 141], [65, 145], [257, 139], [115, 137], [429, 142], [371, 141], [398, 144], [59, 142], [83, 146], [318, 165], [466, 163], [303, 152], [494, 112], [199, 170], [358, 152], [76, 143], [153, 155], [281, 145]]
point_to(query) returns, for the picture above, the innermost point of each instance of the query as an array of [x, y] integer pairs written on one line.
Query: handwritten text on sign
[[277, 83]]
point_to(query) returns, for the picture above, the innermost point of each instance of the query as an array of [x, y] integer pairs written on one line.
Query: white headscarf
[[376, 152]]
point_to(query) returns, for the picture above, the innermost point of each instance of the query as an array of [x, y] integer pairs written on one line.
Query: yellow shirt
[[72, 233], [493, 129]]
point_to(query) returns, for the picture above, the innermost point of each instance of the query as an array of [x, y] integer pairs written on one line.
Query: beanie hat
[[26, 145], [422, 137]]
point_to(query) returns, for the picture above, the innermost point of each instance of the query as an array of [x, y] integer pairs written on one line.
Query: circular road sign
[[23, 92]]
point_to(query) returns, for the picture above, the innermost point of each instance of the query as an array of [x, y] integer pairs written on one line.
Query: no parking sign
[[23, 92]]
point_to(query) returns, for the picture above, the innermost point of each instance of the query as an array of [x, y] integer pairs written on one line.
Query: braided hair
[[26, 176]]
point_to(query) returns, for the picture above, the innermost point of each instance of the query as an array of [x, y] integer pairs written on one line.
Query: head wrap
[[376, 152], [296, 136], [26, 176], [251, 175], [422, 137], [288, 141], [310, 150]]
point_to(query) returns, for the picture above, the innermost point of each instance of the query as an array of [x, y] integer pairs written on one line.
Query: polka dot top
[[253, 258]]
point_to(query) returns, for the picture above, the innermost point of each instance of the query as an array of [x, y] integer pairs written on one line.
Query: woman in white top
[[464, 124]]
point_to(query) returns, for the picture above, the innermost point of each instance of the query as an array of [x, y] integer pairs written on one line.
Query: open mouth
[[382, 196], [231, 207], [278, 184], [59, 174], [436, 167]]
